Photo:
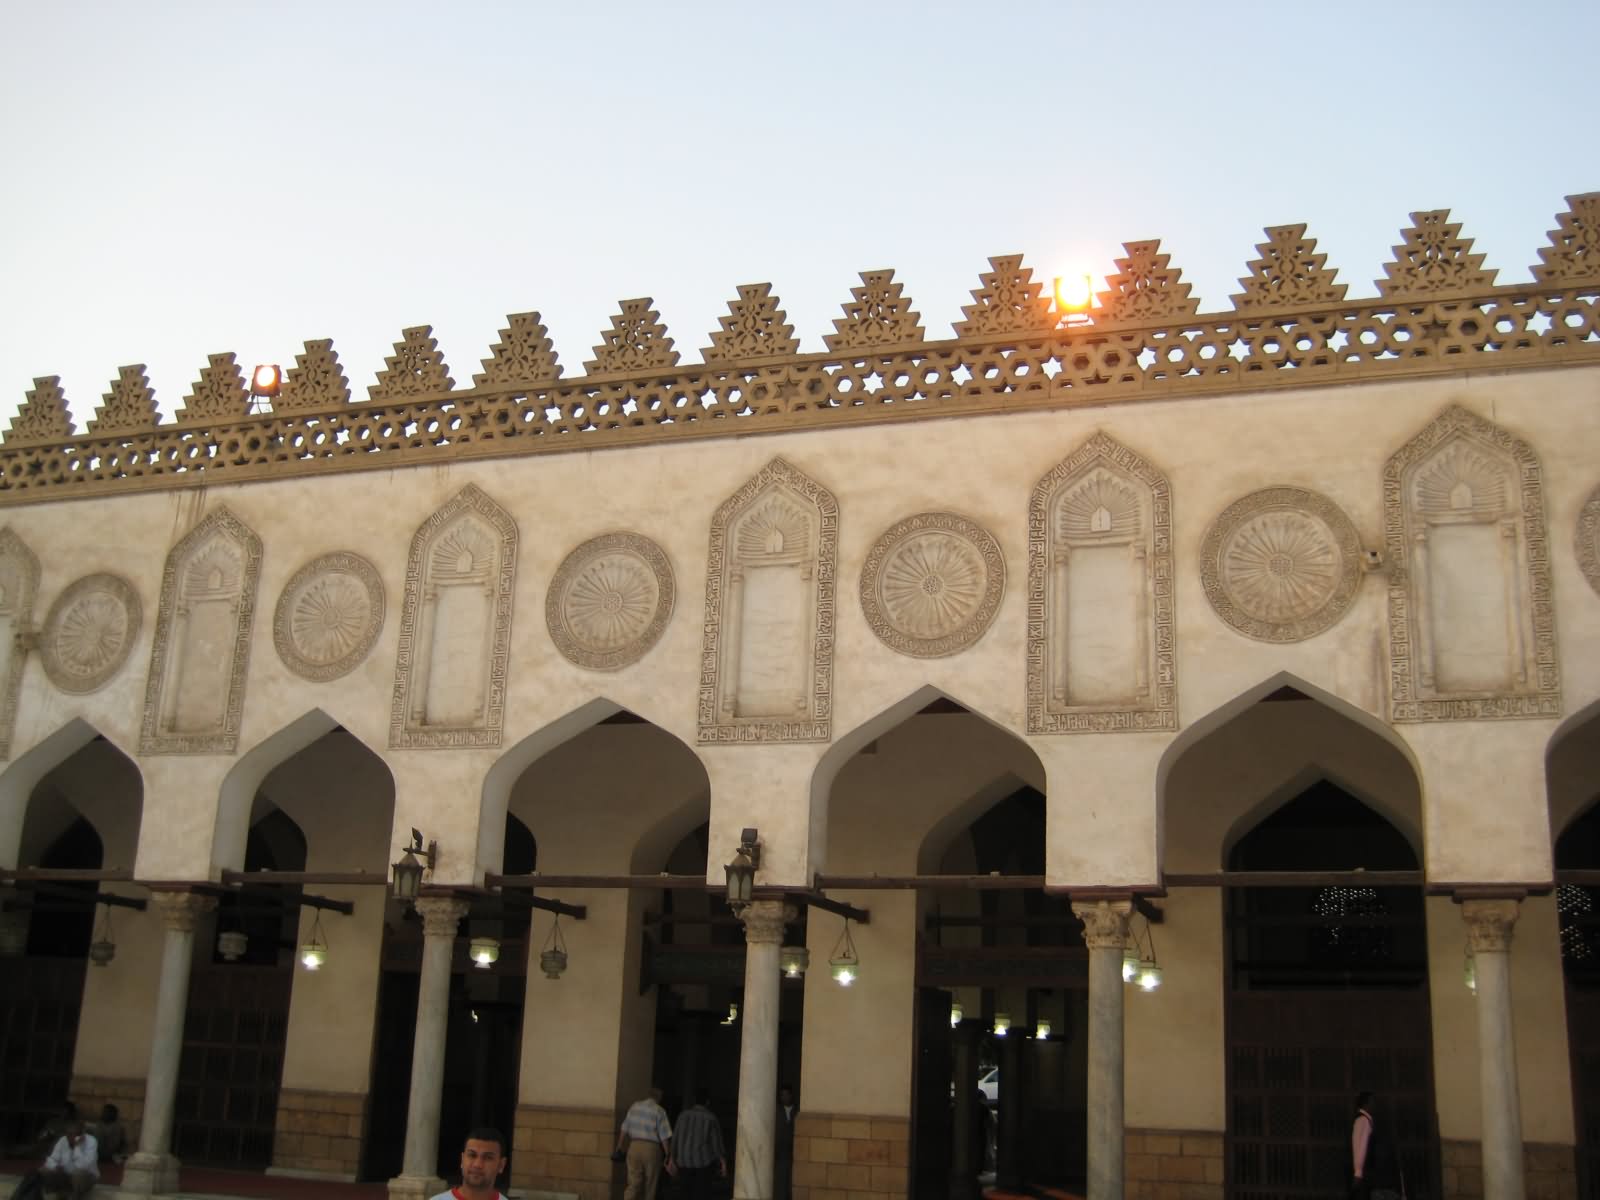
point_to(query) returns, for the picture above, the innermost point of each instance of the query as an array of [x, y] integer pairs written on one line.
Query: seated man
[[110, 1133], [74, 1164]]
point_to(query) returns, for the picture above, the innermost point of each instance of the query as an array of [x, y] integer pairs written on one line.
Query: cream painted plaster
[[1176, 1032], [1487, 811], [119, 999], [1539, 1010], [1103, 821], [328, 1046]]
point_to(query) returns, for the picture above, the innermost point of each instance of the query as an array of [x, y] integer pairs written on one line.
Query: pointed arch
[[201, 653], [237, 798], [18, 781], [19, 587], [1471, 615], [767, 662], [1101, 619], [455, 626], [1572, 768]]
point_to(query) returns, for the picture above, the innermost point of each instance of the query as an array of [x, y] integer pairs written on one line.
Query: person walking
[[1376, 1167], [646, 1134], [483, 1159], [697, 1147]]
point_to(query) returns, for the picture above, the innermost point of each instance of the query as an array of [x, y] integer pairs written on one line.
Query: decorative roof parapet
[[1433, 260], [416, 368], [315, 381], [1145, 287], [1008, 301], [524, 353], [1288, 272], [1574, 250], [877, 315], [130, 405], [220, 394], [754, 328], [637, 341], [43, 416]]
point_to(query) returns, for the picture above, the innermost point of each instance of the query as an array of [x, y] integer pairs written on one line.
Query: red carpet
[[214, 1181]]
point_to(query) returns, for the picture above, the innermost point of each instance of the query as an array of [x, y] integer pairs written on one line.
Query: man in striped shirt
[[647, 1134], [697, 1147]]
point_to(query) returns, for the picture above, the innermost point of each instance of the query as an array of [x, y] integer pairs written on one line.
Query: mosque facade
[[1142, 729]]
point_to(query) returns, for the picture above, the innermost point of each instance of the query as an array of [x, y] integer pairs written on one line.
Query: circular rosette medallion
[[1588, 543], [1281, 564], [932, 584], [89, 632], [610, 601], [329, 615]]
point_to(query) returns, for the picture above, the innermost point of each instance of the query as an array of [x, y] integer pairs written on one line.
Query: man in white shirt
[[73, 1166], [483, 1158]]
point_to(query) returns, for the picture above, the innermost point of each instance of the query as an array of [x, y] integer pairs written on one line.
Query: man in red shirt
[[483, 1159]]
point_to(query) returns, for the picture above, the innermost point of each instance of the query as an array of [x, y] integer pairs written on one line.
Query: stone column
[[1105, 932], [1489, 925], [758, 1049], [418, 1179], [154, 1168]]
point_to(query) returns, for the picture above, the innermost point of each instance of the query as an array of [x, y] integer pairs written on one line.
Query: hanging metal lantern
[[553, 958]]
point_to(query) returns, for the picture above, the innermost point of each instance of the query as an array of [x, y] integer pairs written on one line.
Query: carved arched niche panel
[[1100, 600], [195, 694], [455, 627], [1587, 545], [19, 585], [1471, 622], [767, 665]]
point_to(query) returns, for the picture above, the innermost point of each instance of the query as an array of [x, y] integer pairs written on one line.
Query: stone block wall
[[90, 1092], [841, 1157], [1172, 1164], [566, 1150], [319, 1132], [1549, 1172]]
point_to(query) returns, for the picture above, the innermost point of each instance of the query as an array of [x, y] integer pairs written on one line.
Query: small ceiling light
[[103, 949], [955, 1014], [231, 945], [1130, 963], [844, 961], [1139, 963], [1002, 1024], [553, 958], [1469, 972], [314, 951], [484, 952], [793, 961], [408, 871], [1041, 1031], [733, 1014], [741, 871]]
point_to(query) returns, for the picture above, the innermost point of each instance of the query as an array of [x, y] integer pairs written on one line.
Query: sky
[[182, 179]]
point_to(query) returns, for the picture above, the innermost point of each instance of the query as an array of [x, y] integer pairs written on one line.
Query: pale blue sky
[[188, 178]]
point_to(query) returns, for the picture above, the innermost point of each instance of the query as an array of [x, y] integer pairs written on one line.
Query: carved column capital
[[441, 915], [1105, 922], [181, 911], [764, 920], [1489, 924]]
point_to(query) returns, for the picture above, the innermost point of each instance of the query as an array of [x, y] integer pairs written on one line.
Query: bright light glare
[[1074, 293], [266, 379]]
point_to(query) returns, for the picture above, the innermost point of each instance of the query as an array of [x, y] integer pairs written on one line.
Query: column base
[[415, 1187], [150, 1174]]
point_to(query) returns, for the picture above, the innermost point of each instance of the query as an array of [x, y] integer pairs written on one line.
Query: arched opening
[[927, 789], [81, 813], [274, 1051], [1573, 778], [1314, 818]]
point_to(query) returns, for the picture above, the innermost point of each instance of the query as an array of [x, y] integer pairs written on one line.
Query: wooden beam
[[663, 880], [1293, 879], [68, 874], [867, 883], [315, 878]]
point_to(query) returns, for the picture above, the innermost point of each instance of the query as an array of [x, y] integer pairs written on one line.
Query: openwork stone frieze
[[89, 632], [1281, 565], [455, 627], [328, 616], [932, 583], [1101, 615], [1588, 539], [767, 654], [1440, 312], [610, 601], [1472, 627], [19, 586], [195, 694]]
